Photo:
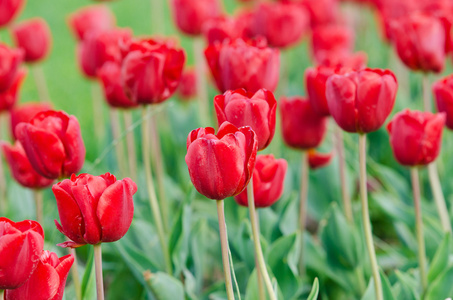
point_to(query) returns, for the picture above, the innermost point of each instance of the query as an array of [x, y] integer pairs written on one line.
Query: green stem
[[426, 93], [339, 144], [202, 86], [119, 142], [224, 246], [131, 153], [256, 241], [259, 278], [98, 115], [98, 270], [37, 195], [151, 191], [303, 207], [366, 218], [360, 279], [41, 85]]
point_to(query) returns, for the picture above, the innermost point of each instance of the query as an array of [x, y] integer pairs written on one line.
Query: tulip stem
[[256, 241], [303, 207], [98, 269], [75, 275], [366, 218], [202, 87], [225, 249], [339, 143], [151, 190], [119, 143], [419, 228], [426, 93], [37, 195], [131, 153], [98, 115], [41, 85], [439, 197]]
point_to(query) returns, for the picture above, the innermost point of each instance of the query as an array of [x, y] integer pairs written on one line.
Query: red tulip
[[10, 60], [221, 165], [48, 280], [9, 9], [443, 92], [315, 84], [321, 11], [389, 10], [151, 71], [187, 88], [317, 160], [302, 127], [190, 15], [110, 77], [94, 209], [416, 136], [332, 37], [342, 59], [34, 37], [21, 246], [360, 101], [223, 27], [53, 143], [21, 169], [91, 18], [257, 110], [26, 112], [268, 181], [8, 98], [239, 64]]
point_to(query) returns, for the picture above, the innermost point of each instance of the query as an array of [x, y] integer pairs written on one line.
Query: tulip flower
[[239, 64], [53, 143], [268, 181], [190, 15], [443, 92], [94, 209], [360, 101], [26, 112], [10, 60], [187, 88], [9, 9], [21, 245], [221, 165], [317, 160], [321, 11], [332, 38], [48, 280], [341, 59], [8, 98], [256, 110], [34, 37], [315, 85], [416, 136], [223, 27], [151, 70], [110, 76], [91, 18]]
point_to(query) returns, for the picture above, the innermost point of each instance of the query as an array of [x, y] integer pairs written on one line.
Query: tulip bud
[[416, 136], [257, 110], [443, 92], [26, 112], [221, 28], [268, 181], [221, 165], [332, 38], [190, 15], [302, 127], [315, 85], [8, 98], [47, 282], [21, 245], [317, 160], [10, 60], [94, 209], [53, 143], [187, 88], [360, 101], [110, 77], [321, 11], [9, 9], [34, 37], [91, 18]]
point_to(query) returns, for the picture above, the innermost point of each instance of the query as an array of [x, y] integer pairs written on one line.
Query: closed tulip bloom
[[21, 169], [10, 60], [321, 11], [53, 143], [9, 97], [416, 136], [25, 112], [9, 9], [238, 64], [110, 76], [315, 85], [332, 38], [443, 92], [268, 181], [34, 37], [21, 245], [151, 70], [302, 127], [187, 88], [190, 15], [342, 59], [48, 280], [223, 27], [317, 160], [91, 18], [420, 42], [94, 209], [360, 101], [221, 165], [256, 110]]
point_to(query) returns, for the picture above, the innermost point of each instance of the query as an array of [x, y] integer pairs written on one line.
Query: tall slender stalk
[[339, 145], [157, 17], [98, 115], [131, 153], [225, 247], [426, 93], [151, 191], [256, 241], [366, 218], [259, 278], [41, 85], [419, 228], [98, 270], [119, 146], [303, 207], [37, 195], [202, 86]]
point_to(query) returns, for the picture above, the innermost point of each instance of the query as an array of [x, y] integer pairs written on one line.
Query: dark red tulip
[[91, 18], [151, 70], [443, 92], [21, 169], [25, 112], [10, 60], [94, 209], [332, 38], [223, 27], [110, 76], [9, 9], [268, 181], [48, 280], [34, 37], [302, 127], [256, 110], [315, 85], [360, 101], [8, 98], [239, 64], [53, 143], [416, 136], [187, 88], [221, 165], [190, 15], [21, 245], [317, 160]]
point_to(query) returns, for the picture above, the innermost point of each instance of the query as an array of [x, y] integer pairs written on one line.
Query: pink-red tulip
[[315, 85], [48, 280], [223, 27], [187, 88], [10, 60], [360, 101], [416, 136], [317, 160], [110, 76], [268, 181], [332, 37], [190, 15], [53, 143], [9, 97], [26, 112], [321, 11], [94, 209], [91, 18], [256, 110], [342, 59], [221, 165], [21, 245], [9, 9], [34, 37], [443, 92]]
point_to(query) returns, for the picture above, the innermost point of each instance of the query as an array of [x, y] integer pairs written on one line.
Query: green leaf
[[179, 238], [386, 289], [164, 286], [314, 290], [406, 287], [441, 287], [440, 260], [89, 278]]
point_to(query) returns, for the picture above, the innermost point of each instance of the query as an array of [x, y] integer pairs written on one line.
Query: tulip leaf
[[440, 260], [179, 238], [441, 287], [406, 287], [164, 286], [89, 278], [386, 289], [314, 290]]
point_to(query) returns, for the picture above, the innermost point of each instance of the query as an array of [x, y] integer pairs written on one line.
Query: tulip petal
[[74, 148], [88, 206], [62, 269]]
